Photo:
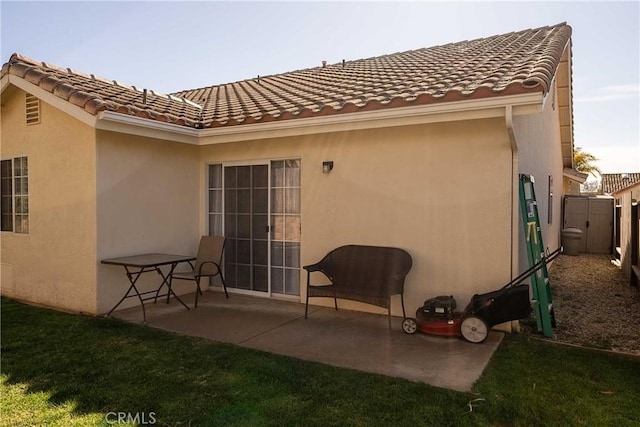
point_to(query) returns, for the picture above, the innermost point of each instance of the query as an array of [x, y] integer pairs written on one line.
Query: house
[[625, 188], [613, 183], [425, 149]]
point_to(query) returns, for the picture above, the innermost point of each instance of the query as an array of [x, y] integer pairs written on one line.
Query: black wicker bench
[[369, 274]]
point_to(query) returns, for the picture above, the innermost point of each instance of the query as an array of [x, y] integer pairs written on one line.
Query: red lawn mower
[[511, 302]]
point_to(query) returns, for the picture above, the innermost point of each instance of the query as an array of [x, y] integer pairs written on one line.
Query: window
[[14, 197], [6, 201], [215, 200]]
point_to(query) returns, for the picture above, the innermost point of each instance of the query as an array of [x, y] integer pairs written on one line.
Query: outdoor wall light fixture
[[326, 167]]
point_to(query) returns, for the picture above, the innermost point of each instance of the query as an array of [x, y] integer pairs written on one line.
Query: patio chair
[[208, 263]]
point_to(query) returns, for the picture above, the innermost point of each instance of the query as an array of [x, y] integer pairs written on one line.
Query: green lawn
[[61, 369]]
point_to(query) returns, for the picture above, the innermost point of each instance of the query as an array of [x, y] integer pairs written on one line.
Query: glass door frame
[[264, 162]]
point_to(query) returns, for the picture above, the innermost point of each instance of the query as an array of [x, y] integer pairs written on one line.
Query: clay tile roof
[[614, 182], [506, 64], [95, 94]]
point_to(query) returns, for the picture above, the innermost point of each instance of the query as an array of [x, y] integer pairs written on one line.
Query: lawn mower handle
[[545, 259]]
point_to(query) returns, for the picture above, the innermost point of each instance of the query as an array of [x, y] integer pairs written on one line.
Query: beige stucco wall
[[147, 201], [53, 265], [440, 191], [540, 155], [571, 187]]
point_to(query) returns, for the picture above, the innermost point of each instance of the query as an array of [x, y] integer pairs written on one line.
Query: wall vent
[[32, 111]]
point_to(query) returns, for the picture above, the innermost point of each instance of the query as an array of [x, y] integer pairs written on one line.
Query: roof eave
[[479, 108], [133, 125], [61, 104], [575, 175], [105, 120], [527, 103], [564, 96], [631, 187], [4, 83]]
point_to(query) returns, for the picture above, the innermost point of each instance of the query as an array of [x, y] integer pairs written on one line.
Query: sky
[[172, 46]]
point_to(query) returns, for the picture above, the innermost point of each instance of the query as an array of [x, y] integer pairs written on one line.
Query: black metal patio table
[[135, 265]]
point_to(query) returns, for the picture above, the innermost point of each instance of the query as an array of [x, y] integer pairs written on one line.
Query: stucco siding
[[54, 264], [148, 201], [571, 187], [440, 191], [540, 155]]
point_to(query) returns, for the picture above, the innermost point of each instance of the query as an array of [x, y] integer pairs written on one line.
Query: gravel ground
[[594, 305]]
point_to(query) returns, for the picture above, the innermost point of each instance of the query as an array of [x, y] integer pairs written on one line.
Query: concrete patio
[[343, 338]]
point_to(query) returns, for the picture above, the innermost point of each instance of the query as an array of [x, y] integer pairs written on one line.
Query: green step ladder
[[541, 289]]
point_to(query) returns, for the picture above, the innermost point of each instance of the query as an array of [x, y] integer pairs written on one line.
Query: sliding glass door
[[246, 212], [285, 227], [257, 207]]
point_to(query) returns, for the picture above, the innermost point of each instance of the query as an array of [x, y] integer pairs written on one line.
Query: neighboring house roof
[[616, 182], [514, 63]]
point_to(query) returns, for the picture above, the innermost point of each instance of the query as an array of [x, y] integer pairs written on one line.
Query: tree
[[583, 162]]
